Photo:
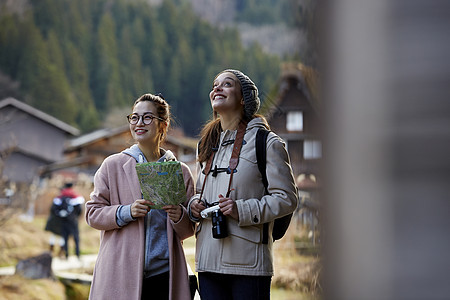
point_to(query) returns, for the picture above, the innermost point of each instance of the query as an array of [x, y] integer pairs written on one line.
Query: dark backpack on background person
[[280, 225], [65, 209]]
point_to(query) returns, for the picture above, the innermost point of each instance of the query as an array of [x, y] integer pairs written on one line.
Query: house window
[[312, 149], [294, 121]]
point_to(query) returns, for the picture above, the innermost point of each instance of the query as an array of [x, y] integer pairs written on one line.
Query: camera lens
[[219, 222]]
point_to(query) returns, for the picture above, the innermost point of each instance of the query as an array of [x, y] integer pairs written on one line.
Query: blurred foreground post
[[386, 97]]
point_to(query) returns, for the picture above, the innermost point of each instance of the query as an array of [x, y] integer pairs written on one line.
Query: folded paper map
[[162, 183]]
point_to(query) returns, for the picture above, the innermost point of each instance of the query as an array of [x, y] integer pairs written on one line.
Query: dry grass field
[[296, 276]]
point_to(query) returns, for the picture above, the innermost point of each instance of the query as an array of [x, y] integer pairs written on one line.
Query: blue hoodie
[[156, 244]]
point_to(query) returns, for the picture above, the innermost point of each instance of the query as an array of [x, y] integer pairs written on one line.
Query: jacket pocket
[[249, 233], [241, 246]]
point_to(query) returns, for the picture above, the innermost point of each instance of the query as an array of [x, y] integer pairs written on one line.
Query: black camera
[[219, 221], [219, 224]]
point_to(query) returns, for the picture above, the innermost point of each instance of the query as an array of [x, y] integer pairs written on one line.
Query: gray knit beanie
[[249, 92]]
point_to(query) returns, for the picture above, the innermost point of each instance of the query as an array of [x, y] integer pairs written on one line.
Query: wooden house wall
[[293, 98], [31, 134], [30, 143], [295, 149], [98, 150], [19, 167]]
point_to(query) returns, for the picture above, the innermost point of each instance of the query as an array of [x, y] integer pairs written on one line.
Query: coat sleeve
[[282, 198], [100, 213], [198, 189], [184, 228]]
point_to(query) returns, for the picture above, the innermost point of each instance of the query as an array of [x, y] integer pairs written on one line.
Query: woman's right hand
[[196, 207], [140, 208]]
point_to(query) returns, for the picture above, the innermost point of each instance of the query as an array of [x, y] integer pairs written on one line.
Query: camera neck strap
[[234, 160]]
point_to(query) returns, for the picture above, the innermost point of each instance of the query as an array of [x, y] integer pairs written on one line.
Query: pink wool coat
[[118, 272]]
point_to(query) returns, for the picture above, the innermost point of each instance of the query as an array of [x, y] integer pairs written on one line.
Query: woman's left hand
[[174, 212], [228, 207]]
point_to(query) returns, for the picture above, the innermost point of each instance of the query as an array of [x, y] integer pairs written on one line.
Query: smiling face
[[146, 134], [226, 96]]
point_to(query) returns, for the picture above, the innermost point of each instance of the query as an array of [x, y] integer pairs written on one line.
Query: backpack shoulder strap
[[261, 158], [261, 154], [281, 224]]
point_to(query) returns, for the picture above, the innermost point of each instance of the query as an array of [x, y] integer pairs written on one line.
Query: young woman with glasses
[[141, 254]]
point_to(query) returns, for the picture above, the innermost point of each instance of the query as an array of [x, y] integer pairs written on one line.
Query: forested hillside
[[282, 27], [77, 60]]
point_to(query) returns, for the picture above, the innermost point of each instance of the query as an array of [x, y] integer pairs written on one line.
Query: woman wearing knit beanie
[[235, 214]]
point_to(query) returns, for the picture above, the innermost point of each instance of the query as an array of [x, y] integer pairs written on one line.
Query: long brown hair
[[209, 138]]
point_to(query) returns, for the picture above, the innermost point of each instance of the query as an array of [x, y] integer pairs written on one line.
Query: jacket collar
[[137, 154]]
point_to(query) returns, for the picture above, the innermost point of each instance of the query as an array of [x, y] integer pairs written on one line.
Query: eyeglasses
[[147, 119]]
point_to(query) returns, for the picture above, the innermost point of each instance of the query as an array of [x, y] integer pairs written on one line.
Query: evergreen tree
[[106, 83], [10, 44], [155, 51], [79, 31], [50, 15], [78, 74], [134, 79], [174, 93], [55, 53]]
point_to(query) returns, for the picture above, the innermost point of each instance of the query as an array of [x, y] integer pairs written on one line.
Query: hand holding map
[[162, 183]]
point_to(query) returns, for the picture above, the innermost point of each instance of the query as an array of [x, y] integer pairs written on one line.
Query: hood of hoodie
[[137, 154], [256, 123]]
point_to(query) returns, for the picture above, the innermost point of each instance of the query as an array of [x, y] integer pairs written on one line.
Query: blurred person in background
[[141, 254], [55, 227], [63, 220], [238, 264]]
